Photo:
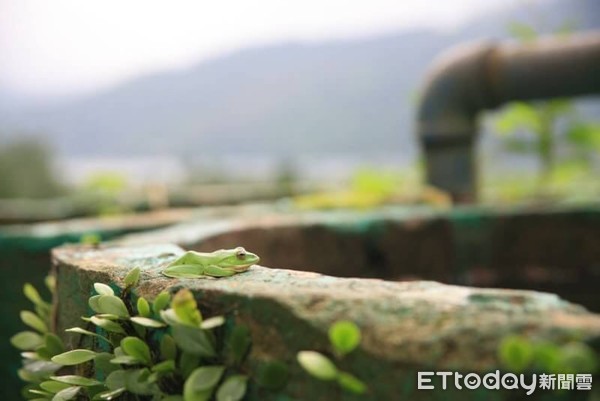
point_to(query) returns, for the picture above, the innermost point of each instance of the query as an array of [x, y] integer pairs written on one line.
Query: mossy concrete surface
[[406, 326], [549, 249]]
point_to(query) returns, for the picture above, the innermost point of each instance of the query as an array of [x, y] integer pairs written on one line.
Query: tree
[[26, 170]]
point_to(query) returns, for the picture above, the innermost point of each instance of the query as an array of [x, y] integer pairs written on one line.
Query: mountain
[[340, 97]]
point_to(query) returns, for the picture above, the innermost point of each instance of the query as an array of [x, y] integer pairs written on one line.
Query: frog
[[220, 263]]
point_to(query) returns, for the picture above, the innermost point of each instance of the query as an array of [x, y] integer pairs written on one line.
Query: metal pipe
[[476, 77]]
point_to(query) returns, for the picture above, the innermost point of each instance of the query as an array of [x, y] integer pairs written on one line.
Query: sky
[[69, 47]]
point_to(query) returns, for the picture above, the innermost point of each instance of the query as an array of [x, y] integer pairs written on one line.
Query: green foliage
[[344, 337], [318, 365], [139, 351], [239, 343], [516, 353], [577, 357], [112, 183], [90, 239], [519, 354], [132, 278], [541, 129], [233, 389], [26, 170], [74, 357], [523, 32], [105, 189], [272, 375], [375, 182]]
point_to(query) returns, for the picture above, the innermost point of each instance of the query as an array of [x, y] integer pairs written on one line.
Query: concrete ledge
[[407, 326]]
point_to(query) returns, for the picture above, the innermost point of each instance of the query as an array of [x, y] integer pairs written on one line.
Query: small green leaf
[[53, 387], [107, 325], [169, 317], [515, 353], [144, 321], [239, 342], [38, 371], [33, 295], [93, 303], [138, 382], [233, 388], [125, 360], [110, 395], [272, 375], [168, 348], [577, 357], [185, 308], [132, 278], [30, 355], [165, 366], [43, 353], [79, 330], [317, 365], [212, 322], [108, 316], [351, 383], [344, 336], [32, 320], [136, 348], [76, 380], [161, 301], [50, 282], [26, 340], [193, 340], [103, 289], [546, 356], [67, 394], [187, 364], [116, 380], [102, 365], [40, 392], [202, 382], [112, 305], [53, 344], [43, 311], [143, 307], [74, 357]]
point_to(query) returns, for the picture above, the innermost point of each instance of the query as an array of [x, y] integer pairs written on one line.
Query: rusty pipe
[[472, 78]]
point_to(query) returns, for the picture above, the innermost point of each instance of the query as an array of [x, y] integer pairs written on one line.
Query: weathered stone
[[544, 249], [406, 326]]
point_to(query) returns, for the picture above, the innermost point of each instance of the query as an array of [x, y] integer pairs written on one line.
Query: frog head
[[237, 259]]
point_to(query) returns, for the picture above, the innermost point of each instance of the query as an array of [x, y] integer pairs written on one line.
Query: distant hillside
[[338, 97]]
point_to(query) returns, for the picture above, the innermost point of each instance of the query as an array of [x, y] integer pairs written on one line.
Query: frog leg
[[188, 258], [216, 271], [184, 271]]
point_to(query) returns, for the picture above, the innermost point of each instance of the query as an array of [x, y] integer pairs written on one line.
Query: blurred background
[[115, 106]]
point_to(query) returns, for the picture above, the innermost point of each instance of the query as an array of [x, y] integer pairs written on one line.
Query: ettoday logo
[[507, 381]]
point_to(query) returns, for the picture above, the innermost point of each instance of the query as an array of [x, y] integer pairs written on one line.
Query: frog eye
[[240, 253]]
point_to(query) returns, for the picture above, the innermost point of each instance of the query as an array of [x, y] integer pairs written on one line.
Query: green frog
[[221, 263]]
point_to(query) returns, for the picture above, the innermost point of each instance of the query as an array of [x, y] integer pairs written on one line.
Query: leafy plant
[[519, 354], [541, 129], [164, 350], [344, 337]]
